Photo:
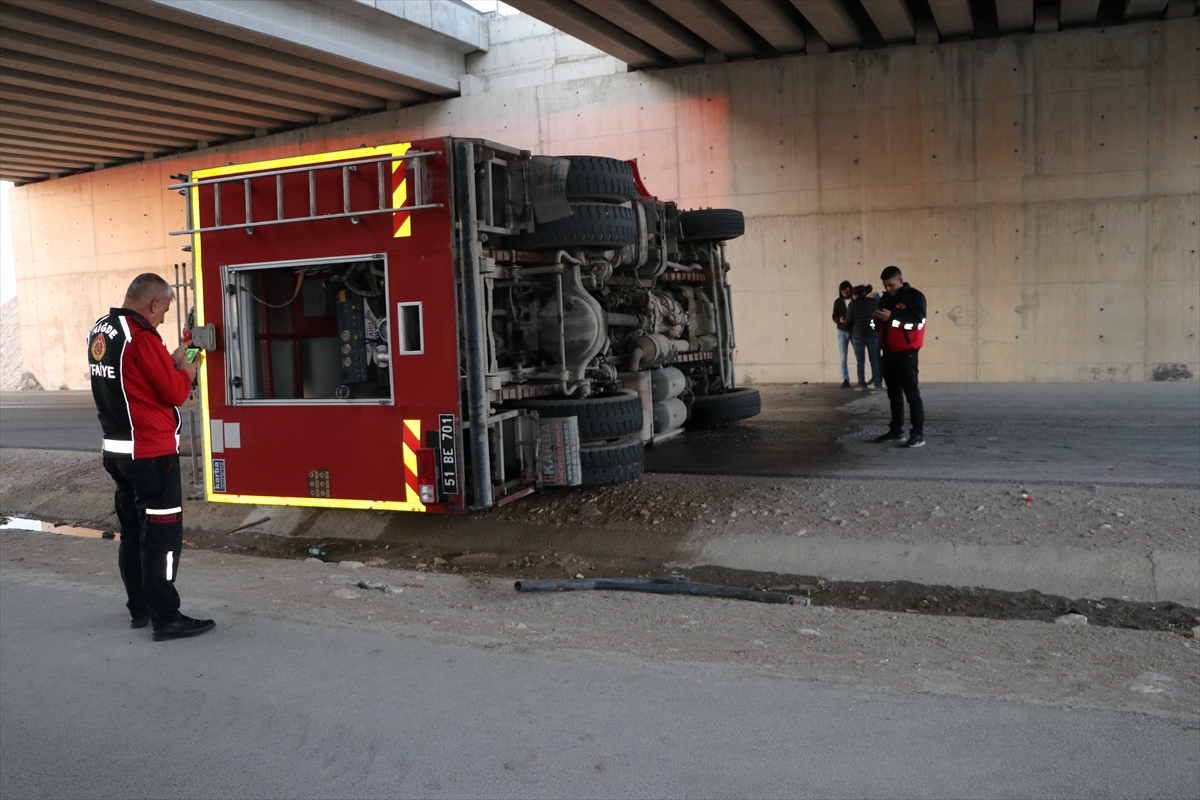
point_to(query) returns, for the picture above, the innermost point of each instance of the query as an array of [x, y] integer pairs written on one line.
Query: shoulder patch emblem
[[99, 347]]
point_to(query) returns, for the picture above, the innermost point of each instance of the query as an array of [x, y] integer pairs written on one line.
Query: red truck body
[[360, 308]]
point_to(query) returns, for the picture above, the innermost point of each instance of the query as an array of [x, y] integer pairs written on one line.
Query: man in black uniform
[[137, 386], [901, 322]]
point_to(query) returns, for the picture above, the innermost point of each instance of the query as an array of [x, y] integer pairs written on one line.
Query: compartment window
[[412, 339], [312, 331]]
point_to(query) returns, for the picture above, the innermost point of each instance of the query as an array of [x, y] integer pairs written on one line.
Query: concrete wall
[[1043, 190]]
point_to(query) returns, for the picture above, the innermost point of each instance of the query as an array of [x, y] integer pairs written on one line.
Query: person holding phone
[[900, 319], [137, 386], [864, 337]]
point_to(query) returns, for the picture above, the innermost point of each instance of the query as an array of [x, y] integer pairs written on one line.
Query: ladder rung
[[415, 193], [264, 223]]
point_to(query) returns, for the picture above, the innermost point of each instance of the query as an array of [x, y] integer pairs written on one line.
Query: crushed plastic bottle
[[317, 552]]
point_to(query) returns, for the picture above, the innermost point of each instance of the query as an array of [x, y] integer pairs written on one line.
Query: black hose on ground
[[673, 585]]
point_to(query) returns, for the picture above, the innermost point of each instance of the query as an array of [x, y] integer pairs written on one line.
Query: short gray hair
[[148, 286]]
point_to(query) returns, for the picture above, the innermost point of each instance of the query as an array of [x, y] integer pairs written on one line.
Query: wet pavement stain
[[749, 449], [802, 431], [23, 524]]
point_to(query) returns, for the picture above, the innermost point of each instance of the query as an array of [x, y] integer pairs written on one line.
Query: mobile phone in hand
[[191, 353]]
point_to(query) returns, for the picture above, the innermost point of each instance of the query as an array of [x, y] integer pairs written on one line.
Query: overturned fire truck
[[449, 324]]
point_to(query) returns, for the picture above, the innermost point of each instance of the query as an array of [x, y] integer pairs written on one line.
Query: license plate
[[448, 454]]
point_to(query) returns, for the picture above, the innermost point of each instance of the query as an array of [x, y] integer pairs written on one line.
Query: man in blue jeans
[[839, 318], [864, 337]]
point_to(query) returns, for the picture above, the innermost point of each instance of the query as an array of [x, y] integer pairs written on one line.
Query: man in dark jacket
[[901, 322], [839, 318], [137, 386], [863, 335]]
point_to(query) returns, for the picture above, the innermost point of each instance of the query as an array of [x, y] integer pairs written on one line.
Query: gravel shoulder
[[1072, 539], [1088, 667]]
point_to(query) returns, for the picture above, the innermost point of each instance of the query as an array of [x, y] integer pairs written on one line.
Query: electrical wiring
[[286, 303]]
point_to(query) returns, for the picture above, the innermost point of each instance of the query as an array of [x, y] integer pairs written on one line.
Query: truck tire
[[711, 223], [593, 178], [607, 417], [590, 225], [612, 462], [731, 406]]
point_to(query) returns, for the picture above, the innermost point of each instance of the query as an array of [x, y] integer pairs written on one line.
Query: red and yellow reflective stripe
[[412, 443], [401, 222]]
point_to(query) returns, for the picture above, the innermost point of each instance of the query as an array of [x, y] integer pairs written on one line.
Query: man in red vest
[[901, 322], [137, 386]]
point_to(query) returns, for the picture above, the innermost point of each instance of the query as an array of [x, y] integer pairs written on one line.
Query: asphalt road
[[267, 706], [61, 420], [49, 421], [1133, 433], [1127, 433]]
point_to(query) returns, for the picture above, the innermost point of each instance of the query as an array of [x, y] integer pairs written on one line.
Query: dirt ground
[[654, 513], [1090, 666], [778, 530], [902, 596], [455, 575], [658, 525]]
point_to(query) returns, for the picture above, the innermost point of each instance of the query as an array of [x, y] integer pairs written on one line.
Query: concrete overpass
[[87, 85], [660, 33]]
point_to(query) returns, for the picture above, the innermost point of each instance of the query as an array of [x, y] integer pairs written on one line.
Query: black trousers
[[900, 375], [149, 500]]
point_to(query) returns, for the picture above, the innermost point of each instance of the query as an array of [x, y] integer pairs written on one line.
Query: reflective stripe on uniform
[[908, 326], [162, 512], [118, 446], [170, 564]]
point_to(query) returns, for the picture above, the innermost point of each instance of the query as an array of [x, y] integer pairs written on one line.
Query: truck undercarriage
[[609, 304]]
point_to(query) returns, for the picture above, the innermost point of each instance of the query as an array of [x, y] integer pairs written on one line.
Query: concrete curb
[[1153, 576]]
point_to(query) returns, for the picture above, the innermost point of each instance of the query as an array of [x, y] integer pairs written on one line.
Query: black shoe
[[845, 384], [890, 436], [183, 628], [139, 622], [916, 440]]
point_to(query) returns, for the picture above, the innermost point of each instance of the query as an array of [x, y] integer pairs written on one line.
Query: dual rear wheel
[[596, 188], [610, 426], [609, 430]]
